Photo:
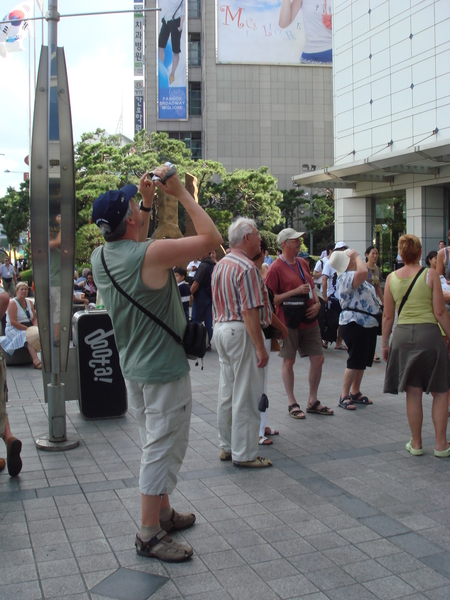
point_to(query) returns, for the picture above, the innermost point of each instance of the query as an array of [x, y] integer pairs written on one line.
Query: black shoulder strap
[[405, 297], [139, 306]]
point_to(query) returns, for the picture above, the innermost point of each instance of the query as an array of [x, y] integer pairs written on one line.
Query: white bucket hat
[[339, 261]]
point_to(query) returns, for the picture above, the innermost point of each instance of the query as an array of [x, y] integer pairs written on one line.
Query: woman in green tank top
[[417, 357]]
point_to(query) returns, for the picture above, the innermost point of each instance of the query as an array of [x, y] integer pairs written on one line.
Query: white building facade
[[391, 104]]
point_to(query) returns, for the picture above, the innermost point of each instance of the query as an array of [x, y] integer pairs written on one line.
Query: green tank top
[[418, 308], [148, 354]]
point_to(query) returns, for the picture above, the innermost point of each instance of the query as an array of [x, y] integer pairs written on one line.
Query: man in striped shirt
[[240, 309]]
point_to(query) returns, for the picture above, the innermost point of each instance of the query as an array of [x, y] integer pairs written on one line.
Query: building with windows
[[391, 98], [249, 100]]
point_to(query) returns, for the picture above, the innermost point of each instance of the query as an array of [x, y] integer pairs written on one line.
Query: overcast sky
[[99, 57]]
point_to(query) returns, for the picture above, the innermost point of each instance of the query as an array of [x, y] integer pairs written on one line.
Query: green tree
[[249, 193], [15, 212], [87, 238], [101, 163], [322, 221], [292, 200], [98, 168]]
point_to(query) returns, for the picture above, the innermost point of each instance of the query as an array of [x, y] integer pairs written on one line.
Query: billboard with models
[[272, 32]]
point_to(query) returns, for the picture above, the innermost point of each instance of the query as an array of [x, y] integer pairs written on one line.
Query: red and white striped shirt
[[236, 286]]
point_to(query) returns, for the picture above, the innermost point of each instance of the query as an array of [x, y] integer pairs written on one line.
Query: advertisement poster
[[172, 59], [274, 32], [138, 105]]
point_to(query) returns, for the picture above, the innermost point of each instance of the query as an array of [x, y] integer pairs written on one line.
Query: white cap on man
[[288, 234]]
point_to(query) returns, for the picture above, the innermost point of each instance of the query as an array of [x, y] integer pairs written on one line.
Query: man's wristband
[[144, 208]]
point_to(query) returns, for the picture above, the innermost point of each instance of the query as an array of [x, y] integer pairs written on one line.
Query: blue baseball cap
[[111, 207]]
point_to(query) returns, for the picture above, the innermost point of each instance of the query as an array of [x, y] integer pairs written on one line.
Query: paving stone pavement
[[344, 513]]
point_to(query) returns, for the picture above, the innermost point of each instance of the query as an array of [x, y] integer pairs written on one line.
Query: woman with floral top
[[374, 278], [358, 327]]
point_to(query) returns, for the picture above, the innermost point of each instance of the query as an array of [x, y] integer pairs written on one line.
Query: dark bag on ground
[[294, 309], [328, 323]]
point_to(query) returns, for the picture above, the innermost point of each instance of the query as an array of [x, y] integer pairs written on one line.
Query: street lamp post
[[306, 168]]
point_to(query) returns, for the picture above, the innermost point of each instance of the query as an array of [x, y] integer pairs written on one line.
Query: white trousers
[[163, 413], [263, 415], [241, 385]]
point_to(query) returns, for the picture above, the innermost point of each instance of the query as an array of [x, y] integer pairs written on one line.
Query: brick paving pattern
[[344, 513]]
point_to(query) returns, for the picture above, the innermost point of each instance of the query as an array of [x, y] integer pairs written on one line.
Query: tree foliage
[[322, 221], [248, 193], [292, 200], [15, 212], [102, 164], [87, 239]]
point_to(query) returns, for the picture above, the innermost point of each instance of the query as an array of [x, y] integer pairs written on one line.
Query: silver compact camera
[[172, 170]]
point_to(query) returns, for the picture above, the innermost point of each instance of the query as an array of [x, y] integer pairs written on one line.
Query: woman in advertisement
[[172, 21], [317, 26]]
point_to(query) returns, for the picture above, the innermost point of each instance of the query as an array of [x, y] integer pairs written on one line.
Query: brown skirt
[[417, 357]]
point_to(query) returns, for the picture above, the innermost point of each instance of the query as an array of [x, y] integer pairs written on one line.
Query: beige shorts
[[306, 341], [163, 414]]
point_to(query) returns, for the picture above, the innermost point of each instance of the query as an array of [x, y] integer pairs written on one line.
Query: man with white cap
[[290, 277], [154, 366], [329, 296]]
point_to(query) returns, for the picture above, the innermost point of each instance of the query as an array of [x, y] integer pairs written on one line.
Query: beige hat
[[32, 335], [339, 261], [288, 234]]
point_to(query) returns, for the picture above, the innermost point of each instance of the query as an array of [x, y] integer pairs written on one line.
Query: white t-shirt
[[171, 8], [320, 265], [191, 272], [318, 37]]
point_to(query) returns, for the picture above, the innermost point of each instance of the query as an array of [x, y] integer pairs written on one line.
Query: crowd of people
[[251, 304]]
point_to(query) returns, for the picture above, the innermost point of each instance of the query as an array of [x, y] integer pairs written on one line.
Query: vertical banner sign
[[138, 105], [172, 59], [138, 39]]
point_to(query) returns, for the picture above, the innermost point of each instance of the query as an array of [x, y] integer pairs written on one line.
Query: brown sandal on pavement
[[296, 412], [314, 409], [178, 521], [360, 399], [162, 546]]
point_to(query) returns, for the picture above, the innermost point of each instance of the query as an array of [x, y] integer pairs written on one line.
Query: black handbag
[[194, 338], [294, 309]]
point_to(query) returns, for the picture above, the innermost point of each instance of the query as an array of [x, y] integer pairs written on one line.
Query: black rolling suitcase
[[103, 393]]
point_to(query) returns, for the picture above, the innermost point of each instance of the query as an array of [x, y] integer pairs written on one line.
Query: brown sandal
[[178, 521], [162, 546], [314, 409], [296, 412]]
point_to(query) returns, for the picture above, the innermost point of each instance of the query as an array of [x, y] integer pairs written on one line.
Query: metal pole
[[57, 436], [310, 225]]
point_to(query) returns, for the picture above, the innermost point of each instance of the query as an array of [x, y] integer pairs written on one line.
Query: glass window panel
[[194, 50], [195, 98], [194, 9]]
